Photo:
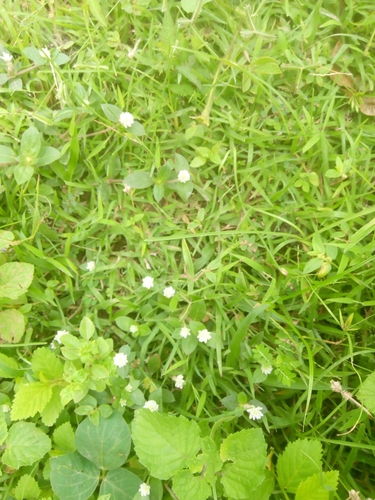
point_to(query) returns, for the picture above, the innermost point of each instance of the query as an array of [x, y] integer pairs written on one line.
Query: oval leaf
[[12, 325], [139, 180], [108, 444], [15, 279], [121, 484], [7, 155], [73, 477]]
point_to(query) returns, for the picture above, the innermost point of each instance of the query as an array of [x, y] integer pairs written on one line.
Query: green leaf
[[108, 444], [46, 362], [9, 367], [6, 237], [97, 12], [139, 180], [111, 112], [366, 393], [53, 408], [208, 462], [47, 155], [23, 173], [158, 192], [86, 328], [264, 491], [190, 5], [121, 484], [15, 279], [63, 438], [30, 143], [265, 66], [189, 487], [12, 325], [3, 428], [173, 438], [311, 142], [137, 129], [332, 174], [7, 155], [247, 450], [300, 460], [312, 265], [30, 399], [27, 489], [73, 477], [318, 486], [25, 445]]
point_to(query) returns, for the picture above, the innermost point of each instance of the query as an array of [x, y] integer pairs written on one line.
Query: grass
[[245, 96]]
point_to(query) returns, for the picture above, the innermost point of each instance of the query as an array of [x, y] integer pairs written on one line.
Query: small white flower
[[129, 388], [6, 57], [255, 412], [184, 332], [122, 402], [144, 490], [126, 119], [204, 336], [133, 328], [169, 292], [120, 360], [90, 266], [179, 381], [6, 408], [59, 334], [183, 176], [45, 53], [127, 189], [266, 369], [148, 282], [151, 405]]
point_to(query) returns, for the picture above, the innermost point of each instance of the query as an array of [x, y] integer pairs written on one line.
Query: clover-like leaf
[[108, 444]]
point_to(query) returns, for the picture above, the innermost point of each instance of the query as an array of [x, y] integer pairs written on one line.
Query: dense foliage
[[187, 250]]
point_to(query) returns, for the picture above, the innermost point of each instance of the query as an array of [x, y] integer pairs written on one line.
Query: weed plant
[[187, 249]]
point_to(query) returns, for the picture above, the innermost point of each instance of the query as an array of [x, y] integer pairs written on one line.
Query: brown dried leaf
[[342, 79], [368, 106]]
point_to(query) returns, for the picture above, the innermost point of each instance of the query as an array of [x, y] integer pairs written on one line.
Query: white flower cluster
[[151, 405]]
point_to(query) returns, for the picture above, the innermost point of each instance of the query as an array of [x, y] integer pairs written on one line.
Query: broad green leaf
[[31, 399], [23, 173], [300, 460], [46, 362], [25, 445], [63, 438], [366, 393], [247, 450], [265, 66], [190, 5], [15, 279], [318, 486], [121, 484], [6, 237], [27, 489], [12, 325], [312, 265], [208, 461], [47, 155], [34, 54], [53, 408], [86, 328], [73, 477], [264, 490], [137, 129], [9, 367], [30, 144], [111, 112], [189, 487], [139, 180], [108, 444], [7, 155], [173, 438]]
